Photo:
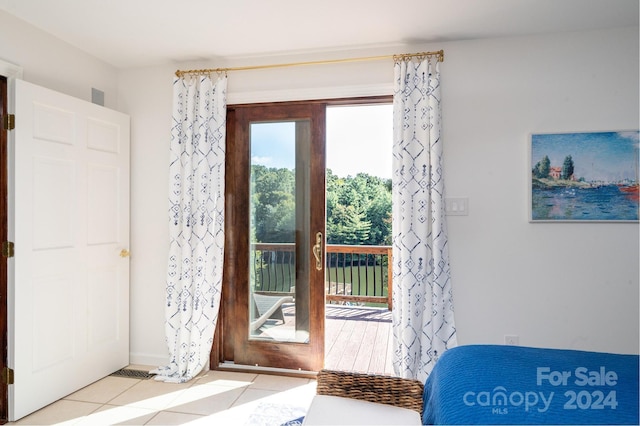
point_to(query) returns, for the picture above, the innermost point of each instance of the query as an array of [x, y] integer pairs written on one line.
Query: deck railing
[[353, 274]]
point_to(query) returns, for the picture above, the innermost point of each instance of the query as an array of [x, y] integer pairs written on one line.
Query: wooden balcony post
[[390, 278]]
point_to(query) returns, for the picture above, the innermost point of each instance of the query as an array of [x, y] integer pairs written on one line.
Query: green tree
[[346, 220], [273, 200], [542, 168], [347, 226], [358, 207], [356, 204], [567, 168], [379, 214]]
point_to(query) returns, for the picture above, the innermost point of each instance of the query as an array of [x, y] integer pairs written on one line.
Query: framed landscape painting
[[584, 177]]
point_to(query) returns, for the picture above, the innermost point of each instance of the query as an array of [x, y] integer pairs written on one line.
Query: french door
[[273, 312]]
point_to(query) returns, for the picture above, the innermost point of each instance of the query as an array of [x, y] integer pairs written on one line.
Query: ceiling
[[135, 33]]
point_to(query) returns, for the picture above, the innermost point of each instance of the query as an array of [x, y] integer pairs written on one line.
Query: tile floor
[[214, 397]]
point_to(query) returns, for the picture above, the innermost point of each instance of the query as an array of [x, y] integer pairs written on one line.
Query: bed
[[491, 384]]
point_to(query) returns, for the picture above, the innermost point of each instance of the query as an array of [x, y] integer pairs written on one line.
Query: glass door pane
[[279, 224]]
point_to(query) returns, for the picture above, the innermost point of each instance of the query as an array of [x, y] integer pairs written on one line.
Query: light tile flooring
[[214, 397]]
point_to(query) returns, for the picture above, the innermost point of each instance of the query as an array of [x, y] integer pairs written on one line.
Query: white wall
[[52, 63], [569, 285], [146, 95]]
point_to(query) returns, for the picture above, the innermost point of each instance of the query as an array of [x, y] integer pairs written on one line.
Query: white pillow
[[334, 410]]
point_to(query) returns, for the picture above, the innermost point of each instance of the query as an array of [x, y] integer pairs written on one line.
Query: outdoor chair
[[266, 307]]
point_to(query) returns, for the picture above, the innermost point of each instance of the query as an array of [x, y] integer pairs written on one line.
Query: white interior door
[[69, 281]]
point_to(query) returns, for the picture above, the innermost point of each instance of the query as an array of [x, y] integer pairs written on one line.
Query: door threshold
[[232, 366]]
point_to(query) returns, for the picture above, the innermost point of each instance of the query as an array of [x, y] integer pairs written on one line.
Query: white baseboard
[[148, 359]]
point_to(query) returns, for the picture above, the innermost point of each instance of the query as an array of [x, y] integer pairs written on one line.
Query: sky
[[600, 156], [359, 139]]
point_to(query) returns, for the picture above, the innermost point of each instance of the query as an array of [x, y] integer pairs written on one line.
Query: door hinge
[[7, 249], [7, 376], [9, 121]]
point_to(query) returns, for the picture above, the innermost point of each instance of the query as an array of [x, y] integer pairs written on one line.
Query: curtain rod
[[438, 54]]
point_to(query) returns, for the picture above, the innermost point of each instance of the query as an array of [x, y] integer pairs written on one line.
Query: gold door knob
[[124, 253]]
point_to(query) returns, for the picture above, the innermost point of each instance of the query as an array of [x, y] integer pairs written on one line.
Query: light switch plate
[[456, 206]]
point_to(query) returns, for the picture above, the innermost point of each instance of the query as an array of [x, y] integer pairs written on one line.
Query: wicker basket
[[388, 390]]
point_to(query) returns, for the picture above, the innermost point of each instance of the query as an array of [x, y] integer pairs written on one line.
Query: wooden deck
[[358, 339]]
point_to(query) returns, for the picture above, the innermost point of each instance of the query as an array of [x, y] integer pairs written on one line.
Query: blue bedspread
[[487, 384]]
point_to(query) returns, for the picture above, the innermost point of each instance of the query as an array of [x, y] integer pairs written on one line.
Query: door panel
[[102, 204], [54, 183], [69, 299], [278, 320]]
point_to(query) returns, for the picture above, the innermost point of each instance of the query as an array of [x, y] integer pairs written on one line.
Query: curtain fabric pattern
[[423, 322], [196, 228]]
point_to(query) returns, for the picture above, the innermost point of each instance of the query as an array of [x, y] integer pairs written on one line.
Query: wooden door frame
[[222, 347], [4, 396], [8, 73], [285, 355]]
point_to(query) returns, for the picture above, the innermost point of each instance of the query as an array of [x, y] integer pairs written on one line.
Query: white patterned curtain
[[423, 324], [196, 229]]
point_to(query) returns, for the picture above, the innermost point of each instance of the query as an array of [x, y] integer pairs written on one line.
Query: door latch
[[317, 251]]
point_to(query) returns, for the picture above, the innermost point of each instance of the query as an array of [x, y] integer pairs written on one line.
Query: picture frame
[[584, 176]]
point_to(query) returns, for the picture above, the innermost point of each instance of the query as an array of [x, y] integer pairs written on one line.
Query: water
[[601, 203]]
